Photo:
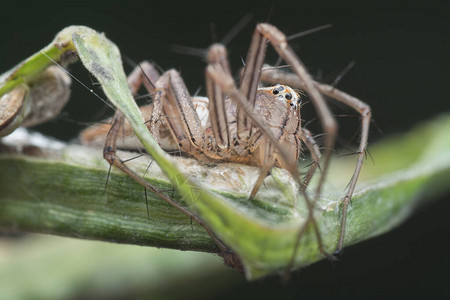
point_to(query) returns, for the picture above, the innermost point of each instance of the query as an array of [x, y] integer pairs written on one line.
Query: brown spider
[[249, 125]]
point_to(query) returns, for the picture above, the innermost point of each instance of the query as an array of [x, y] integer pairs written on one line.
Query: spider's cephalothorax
[[279, 108]]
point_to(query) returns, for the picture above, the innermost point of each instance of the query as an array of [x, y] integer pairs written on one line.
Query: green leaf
[[63, 192]]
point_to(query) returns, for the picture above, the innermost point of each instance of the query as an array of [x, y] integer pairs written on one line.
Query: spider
[[245, 124]]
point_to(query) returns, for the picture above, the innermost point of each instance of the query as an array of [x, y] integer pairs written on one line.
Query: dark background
[[401, 55]]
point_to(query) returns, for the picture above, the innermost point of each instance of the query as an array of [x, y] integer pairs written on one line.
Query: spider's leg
[[366, 115], [143, 74], [329, 125], [250, 78], [109, 153], [146, 74], [174, 104], [311, 144], [217, 110], [309, 141], [305, 136], [268, 162], [272, 76], [278, 40], [288, 137]]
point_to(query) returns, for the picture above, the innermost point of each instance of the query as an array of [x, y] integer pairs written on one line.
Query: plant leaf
[[262, 232]]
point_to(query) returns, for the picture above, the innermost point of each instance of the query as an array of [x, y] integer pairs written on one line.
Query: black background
[[401, 70]]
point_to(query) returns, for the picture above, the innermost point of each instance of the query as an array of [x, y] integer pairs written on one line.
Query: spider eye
[[288, 96], [291, 104], [275, 91]]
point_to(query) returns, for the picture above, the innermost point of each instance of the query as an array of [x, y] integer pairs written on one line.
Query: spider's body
[[278, 106], [244, 124]]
